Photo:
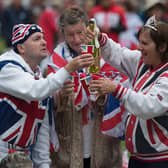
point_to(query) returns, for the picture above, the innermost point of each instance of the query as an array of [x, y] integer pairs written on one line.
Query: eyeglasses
[[151, 23]]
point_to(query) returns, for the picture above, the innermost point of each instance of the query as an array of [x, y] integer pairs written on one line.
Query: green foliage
[[2, 45]]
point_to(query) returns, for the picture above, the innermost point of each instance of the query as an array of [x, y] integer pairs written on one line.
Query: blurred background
[[46, 14]]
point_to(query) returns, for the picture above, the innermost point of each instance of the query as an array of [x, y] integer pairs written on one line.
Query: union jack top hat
[[22, 32]]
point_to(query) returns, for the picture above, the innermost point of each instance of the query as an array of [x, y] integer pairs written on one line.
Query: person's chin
[[146, 61], [45, 52], [44, 55]]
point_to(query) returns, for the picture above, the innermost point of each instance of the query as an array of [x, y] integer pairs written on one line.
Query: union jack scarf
[[113, 111]]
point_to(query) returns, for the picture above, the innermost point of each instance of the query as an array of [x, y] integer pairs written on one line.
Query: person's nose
[[77, 38], [44, 42], [140, 48]]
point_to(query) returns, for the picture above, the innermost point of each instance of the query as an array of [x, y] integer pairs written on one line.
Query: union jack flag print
[[20, 120], [114, 115], [112, 122], [87, 49]]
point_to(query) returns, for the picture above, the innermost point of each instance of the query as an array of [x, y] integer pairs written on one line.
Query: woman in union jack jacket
[[146, 102]]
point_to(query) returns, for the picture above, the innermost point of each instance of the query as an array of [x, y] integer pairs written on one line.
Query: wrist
[[69, 68]]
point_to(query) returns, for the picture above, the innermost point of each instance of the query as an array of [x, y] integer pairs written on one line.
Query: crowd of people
[[121, 20], [56, 114]]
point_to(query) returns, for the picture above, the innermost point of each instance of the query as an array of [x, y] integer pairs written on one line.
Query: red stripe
[[153, 157], [102, 40], [107, 67], [12, 135], [160, 134], [142, 81], [58, 60], [11, 99], [17, 31], [122, 91], [140, 64], [150, 159], [117, 90], [129, 133], [164, 75], [149, 127], [33, 112], [50, 69], [84, 115], [112, 122], [52, 149], [22, 35], [11, 151], [78, 98], [76, 81], [147, 75], [85, 86]]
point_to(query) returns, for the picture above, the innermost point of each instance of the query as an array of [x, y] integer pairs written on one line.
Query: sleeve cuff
[[102, 39], [57, 79], [120, 92]]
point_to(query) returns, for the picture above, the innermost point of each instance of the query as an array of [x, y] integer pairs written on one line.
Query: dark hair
[[72, 15], [159, 37], [16, 50]]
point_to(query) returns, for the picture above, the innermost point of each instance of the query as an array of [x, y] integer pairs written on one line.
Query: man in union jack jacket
[[25, 105]]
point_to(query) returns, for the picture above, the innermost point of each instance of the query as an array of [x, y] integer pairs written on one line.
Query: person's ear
[[163, 48], [20, 48]]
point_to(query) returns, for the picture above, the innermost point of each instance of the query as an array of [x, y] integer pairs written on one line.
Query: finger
[[68, 89], [102, 79], [86, 63], [68, 85], [95, 82], [68, 92], [86, 56]]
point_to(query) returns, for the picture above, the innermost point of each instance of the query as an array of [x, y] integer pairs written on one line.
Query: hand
[[102, 86], [90, 36], [79, 62], [68, 88]]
